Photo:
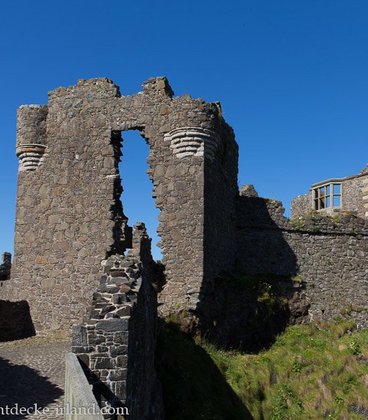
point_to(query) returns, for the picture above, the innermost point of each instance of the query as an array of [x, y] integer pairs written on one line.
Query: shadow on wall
[[248, 312], [26, 387], [193, 386], [261, 245], [246, 309], [101, 391], [15, 321]]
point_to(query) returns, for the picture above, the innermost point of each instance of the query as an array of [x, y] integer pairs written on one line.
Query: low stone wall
[[15, 321], [79, 401], [327, 255]]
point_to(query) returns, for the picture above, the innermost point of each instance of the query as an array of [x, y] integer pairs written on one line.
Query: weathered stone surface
[[248, 191], [328, 254], [118, 341], [111, 325], [79, 336], [69, 213]]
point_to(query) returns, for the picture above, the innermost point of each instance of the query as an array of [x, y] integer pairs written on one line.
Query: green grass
[[310, 372], [193, 386]]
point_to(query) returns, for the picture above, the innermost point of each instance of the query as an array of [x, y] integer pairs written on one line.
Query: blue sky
[[291, 77]]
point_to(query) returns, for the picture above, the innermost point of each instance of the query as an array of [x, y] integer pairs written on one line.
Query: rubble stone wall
[[302, 205], [353, 195], [69, 215], [220, 191], [327, 255], [117, 341]]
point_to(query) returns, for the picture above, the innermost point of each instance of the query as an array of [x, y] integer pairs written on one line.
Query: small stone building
[[349, 194]]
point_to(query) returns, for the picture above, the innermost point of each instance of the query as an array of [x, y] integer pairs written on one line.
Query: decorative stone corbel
[[193, 141], [30, 156]]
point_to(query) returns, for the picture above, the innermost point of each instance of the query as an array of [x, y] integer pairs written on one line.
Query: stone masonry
[[70, 217], [69, 214], [326, 255], [77, 261], [116, 344]]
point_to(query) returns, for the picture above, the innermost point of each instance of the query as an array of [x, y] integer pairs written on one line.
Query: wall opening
[[327, 196], [138, 204]]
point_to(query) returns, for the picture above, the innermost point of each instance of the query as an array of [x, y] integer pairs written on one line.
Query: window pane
[[315, 192], [328, 201], [336, 201], [322, 203], [327, 190], [322, 191], [315, 204], [337, 188]]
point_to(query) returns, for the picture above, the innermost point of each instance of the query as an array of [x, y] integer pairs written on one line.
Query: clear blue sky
[[292, 77]]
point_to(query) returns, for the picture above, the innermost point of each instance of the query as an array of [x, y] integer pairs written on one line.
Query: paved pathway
[[32, 376]]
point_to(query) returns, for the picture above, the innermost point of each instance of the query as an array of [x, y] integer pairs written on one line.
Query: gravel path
[[32, 376]]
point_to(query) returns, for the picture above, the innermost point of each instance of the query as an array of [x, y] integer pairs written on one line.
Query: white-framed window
[[327, 196]]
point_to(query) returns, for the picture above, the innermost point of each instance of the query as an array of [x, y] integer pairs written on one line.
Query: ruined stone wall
[[354, 198], [326, 254], [69, 216], [302, 205], [117, 341], [353, 195], [221, 188]]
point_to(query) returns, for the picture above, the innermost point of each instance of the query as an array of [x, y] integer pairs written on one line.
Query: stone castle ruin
[[335, 195], [78, 262], [69, 214]]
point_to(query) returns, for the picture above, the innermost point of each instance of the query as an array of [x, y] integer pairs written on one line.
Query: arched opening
[[138, 204]]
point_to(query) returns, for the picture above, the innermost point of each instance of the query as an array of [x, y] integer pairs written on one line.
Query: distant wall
[[5, 266], [328, 254], [302, 205], [355, 195], [354, 198]]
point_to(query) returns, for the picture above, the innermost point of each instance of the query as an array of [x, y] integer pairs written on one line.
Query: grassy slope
[[311, 372]]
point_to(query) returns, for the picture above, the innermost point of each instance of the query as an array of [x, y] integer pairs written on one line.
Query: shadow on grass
[[193, 386]]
